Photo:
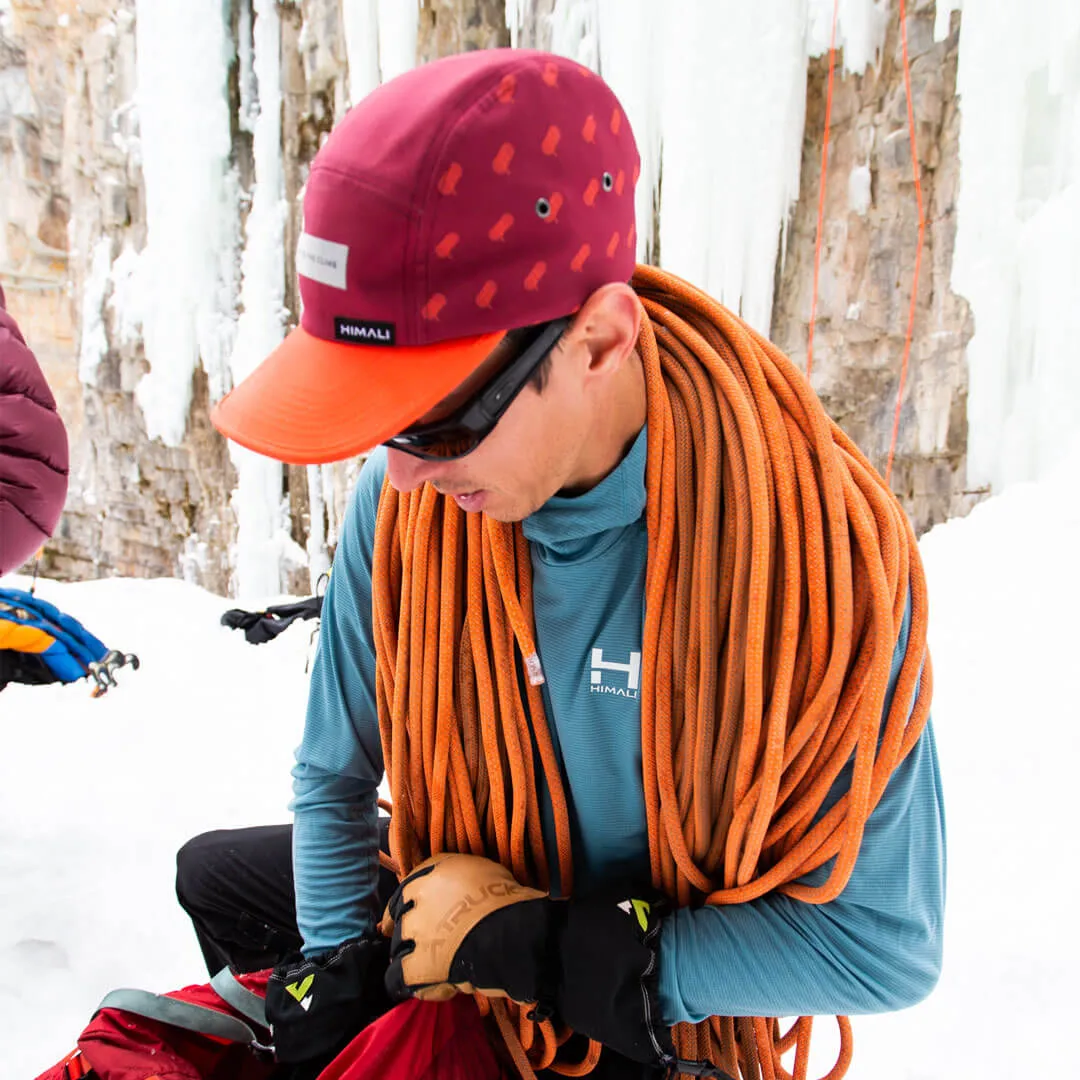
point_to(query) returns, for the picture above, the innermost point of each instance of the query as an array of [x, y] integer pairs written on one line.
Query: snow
[[263, 525], [859, 191], [1017, 256], [96, 796], [93, 344], [942, 13], [189, 261]]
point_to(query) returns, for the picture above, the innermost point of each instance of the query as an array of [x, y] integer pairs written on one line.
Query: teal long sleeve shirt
[[876, 947]]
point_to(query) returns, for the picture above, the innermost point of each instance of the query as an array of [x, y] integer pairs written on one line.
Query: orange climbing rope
[[779, 569]]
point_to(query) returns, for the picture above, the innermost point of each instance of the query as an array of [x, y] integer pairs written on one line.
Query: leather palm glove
[[461, 922], [316, 1006]]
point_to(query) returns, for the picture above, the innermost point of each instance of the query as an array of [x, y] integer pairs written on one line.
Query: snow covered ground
[[95, 797]]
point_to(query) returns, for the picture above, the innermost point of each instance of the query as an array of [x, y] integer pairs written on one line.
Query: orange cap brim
[[313, 401]]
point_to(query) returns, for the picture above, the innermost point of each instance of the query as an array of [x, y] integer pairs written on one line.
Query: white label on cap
[[322, 260]]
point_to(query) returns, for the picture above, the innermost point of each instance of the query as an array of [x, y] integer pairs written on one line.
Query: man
[[468, 244]]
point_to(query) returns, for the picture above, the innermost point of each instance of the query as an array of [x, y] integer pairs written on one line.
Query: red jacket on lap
[[33, 450]]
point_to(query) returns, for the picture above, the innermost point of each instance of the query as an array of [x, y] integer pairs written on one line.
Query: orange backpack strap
[[75, 1066]]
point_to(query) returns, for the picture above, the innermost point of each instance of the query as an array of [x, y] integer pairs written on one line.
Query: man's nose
[[407, 472]]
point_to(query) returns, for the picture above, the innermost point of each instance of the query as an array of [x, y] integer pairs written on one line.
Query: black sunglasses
[[466, 427]]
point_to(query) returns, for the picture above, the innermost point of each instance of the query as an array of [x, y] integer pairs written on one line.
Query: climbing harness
[[779, 571]]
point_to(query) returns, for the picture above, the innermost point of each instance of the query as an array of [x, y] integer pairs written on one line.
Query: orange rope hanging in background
[[779, 570], [909, 335], [821, 192], [918, 247]]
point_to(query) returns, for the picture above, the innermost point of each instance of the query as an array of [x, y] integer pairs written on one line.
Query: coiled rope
[[779, 570]]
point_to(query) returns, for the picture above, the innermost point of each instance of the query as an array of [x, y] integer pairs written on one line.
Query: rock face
[[867, 261], [71, 189], [135, 507]]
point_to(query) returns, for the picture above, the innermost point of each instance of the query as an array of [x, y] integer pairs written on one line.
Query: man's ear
[[608, 325]]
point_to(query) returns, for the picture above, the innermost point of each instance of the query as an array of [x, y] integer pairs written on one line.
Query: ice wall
[[716, 93], [188, 267], [262, 539], [1017, 258]]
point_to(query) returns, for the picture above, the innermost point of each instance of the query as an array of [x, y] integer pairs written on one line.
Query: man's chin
[[509, 515]]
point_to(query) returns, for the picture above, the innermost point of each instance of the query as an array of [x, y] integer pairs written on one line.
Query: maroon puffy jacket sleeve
[[33, 451]]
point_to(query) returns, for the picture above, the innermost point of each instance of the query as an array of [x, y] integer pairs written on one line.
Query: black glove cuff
[[315, 1006], [609, 989]]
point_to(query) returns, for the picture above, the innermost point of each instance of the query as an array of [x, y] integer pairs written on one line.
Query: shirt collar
[[564, 522]]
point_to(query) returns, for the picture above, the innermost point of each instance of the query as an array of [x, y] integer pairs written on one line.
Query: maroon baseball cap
[[468, 197]]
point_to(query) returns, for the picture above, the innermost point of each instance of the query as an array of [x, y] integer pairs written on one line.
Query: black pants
[[237, 886]]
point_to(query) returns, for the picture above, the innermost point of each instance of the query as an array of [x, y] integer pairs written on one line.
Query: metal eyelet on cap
[[543, 207], [607, 181]]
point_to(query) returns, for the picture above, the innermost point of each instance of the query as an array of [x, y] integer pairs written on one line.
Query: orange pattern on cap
[[551, 74], [613, 245], [501, 161], [445, 247], [620, 181], [532, 279], [449, 180], [486, 294], [501, 227], [551, 140], [616, 121], [431, 309], [578, 260], [556, 202], [505, 92], [588, 130], [591, 191], [630, 235]]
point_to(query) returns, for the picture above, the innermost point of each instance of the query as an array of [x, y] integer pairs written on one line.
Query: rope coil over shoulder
[[779, 571]]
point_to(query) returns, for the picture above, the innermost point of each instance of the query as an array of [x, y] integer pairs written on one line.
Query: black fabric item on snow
[[262, 626]]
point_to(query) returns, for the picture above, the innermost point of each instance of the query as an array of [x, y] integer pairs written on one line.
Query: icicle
[[188, 265], [1017, 255], [262, 535]]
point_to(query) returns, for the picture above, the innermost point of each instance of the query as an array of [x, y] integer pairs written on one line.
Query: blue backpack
[[40, 644]]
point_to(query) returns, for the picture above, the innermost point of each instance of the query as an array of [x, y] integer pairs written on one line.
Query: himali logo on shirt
[[614, 677]]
